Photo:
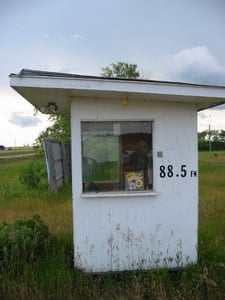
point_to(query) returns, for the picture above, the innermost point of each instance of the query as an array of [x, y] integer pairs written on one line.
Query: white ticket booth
[[134, 165]]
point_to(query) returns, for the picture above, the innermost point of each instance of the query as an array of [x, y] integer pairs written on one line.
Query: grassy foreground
[[52, 276]]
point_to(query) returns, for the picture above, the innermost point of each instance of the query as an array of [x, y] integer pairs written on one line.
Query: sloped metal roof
[[43, 87]]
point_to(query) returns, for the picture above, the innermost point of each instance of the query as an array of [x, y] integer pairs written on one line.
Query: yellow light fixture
[[125, 101]]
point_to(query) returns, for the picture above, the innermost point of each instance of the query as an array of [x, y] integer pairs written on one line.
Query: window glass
[[116, 156]]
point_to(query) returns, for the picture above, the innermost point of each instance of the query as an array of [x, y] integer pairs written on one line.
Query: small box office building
[[134, 165]]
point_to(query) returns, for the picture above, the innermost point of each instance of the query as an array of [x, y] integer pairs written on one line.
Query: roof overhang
[[41, 88]]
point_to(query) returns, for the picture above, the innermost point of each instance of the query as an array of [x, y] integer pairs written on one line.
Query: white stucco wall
[[145, 231]]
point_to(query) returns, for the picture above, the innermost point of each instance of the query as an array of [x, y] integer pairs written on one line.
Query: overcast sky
[[177, 40]]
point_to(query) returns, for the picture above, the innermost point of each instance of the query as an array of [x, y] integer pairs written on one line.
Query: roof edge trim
[[39, 73]]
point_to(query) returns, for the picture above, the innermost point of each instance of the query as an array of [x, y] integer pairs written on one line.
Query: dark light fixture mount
[[50, 108]]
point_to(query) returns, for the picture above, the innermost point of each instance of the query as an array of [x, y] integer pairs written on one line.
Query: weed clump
[[22, 242], [32, 174]]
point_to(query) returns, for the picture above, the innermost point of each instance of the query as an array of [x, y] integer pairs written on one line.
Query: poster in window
[[134, 181]]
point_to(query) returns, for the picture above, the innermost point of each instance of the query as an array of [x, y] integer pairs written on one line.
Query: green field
[[52, 276], [16, 151]]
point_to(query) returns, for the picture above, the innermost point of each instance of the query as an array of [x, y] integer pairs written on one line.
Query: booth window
[[117, 156]]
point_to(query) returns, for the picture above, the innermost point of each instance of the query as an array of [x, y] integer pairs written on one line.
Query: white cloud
[[74, 37], [202, 115], [194, 65], [213, 117], [23, 120]]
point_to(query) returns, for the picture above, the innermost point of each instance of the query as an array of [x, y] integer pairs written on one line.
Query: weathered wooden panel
[[58, 160]]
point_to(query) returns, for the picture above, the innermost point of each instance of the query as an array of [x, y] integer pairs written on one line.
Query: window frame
[[120, 193]]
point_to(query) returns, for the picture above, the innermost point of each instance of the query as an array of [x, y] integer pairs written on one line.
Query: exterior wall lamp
[[50, 108]]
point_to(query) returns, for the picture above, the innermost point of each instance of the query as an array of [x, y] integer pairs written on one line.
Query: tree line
[[211, 140]]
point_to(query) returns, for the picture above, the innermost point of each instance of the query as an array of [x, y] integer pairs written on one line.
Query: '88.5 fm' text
[[169, 171]]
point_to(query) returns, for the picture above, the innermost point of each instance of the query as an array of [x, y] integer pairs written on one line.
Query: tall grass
[[212, 218], [52, 276], [17, 201]]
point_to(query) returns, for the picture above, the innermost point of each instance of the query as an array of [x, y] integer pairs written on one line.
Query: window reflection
[[116, 156]]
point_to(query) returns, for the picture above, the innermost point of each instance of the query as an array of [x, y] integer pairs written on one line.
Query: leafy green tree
[[202, 136], [59, 131], [222, 136], [203, 143], [214, 135], [121, 69], [211, 140]]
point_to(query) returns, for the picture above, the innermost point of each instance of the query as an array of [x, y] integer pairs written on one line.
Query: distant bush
[[22, 242], [32, 174], [215, 146]]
